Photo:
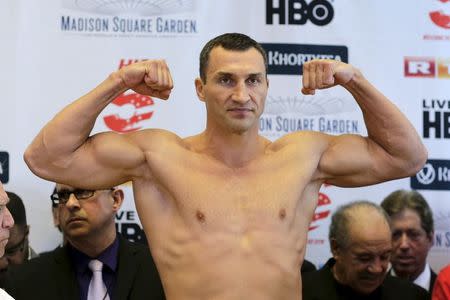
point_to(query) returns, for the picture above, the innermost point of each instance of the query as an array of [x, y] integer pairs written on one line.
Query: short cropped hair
[[17, 209], [341, 219], [400, 200], [229, 41]]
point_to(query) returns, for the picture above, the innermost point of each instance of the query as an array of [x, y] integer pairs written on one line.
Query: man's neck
[[409, 276], [93, 245], [235, 150]]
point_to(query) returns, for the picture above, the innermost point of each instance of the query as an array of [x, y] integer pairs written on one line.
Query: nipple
[[282, 214], [200, 216]]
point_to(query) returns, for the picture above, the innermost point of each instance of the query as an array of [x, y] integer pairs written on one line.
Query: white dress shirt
[[5, 296], [423, 280]]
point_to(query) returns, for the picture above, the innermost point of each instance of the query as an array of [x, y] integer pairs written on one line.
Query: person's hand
[[149, 77], [325, 73]]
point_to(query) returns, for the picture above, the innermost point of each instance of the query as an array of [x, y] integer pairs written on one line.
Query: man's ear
[[117, 195], [335, 250], [199, 88], [430, 237]]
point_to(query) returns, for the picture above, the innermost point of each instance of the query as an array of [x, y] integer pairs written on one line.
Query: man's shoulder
[[319, 285], [155, 140], [138, 250], [41, 264], [398, 287], [305, 140], [322, 277]]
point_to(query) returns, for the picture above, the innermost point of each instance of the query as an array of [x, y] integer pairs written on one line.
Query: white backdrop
[[54, 51]]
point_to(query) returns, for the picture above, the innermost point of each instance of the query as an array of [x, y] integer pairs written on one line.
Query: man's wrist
[[117, 82], [355, 82]]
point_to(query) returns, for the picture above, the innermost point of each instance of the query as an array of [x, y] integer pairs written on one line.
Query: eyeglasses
[[63, 196]]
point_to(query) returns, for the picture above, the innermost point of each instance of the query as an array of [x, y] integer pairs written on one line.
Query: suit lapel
[[67, 285], [126, 269], [432, 279]]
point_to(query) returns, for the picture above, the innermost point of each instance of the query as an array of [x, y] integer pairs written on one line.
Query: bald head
[[359, 218]]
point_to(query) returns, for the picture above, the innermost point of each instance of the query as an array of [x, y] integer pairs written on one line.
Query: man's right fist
[[149, 77]]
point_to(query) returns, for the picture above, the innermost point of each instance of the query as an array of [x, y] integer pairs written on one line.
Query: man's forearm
[[70, 128]]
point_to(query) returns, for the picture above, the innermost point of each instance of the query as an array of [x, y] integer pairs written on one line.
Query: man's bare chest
[[207, 190]]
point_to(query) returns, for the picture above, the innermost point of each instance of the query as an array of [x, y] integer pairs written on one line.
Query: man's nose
[[240, 93], [72, 202], [8, 220], [377, 266], [404, 242]]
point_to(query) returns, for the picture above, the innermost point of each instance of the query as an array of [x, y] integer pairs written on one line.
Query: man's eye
[[385, 257], [253, 81], [364, 258], [414, 235], [225, 80], [396, 235]]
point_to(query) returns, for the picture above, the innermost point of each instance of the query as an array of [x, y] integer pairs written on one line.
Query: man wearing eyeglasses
[[87, 220], [6, 222], [18, 249]]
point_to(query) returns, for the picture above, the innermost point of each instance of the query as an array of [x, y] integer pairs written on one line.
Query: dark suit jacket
[[321, 285], [51, 276], [307, 266], [432, 279]]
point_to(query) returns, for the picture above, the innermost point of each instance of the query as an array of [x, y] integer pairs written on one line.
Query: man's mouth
[[76, 219], [405, 259]]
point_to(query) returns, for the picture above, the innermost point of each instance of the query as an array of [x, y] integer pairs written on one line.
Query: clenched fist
[[325, 73], [149, 77]]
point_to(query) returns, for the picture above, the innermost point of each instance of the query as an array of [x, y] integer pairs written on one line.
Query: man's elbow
[[418, 160], [34, 161]]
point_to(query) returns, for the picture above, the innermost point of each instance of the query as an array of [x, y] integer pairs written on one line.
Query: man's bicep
[[104, 160], [353, 160]]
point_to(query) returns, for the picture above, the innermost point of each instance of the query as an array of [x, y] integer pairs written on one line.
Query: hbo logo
[[319, 12]]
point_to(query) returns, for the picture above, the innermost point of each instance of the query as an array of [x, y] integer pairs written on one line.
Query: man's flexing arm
[[64, 152], [392, 149]]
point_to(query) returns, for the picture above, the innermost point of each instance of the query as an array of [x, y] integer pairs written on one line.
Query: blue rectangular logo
[[4, 167], [288, 59], [435, 175]]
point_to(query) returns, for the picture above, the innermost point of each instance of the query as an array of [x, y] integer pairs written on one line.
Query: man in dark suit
[[360, 241], [87, 221], [18, 249], [412, 237]]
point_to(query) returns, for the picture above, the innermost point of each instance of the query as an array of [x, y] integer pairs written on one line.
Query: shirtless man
[[226, 212]]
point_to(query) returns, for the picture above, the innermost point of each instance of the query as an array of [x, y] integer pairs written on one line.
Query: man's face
[[84, 218], [235, 89], [362, 265], [410, 244], [16, 251], [6, 220]]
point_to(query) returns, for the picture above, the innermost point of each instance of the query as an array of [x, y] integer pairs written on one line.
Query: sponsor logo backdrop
[[54, 51]]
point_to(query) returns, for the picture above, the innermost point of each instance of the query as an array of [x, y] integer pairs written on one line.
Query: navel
[[200, 216], [282, 214]]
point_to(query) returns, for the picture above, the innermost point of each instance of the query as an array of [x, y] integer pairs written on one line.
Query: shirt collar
[[423, 280], [108, 257]]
